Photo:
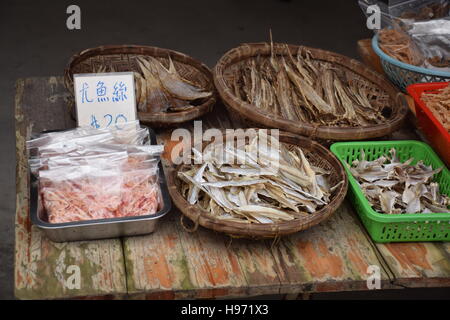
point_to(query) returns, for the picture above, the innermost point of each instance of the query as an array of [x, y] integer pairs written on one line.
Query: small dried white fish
[[255, 192], [231, 183], [193, 195]]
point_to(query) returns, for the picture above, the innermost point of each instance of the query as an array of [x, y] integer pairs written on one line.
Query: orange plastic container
[[436, 134]]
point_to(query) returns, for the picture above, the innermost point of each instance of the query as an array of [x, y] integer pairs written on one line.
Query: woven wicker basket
[[402, 74], [317, 155], [224, 73], [123, 58]]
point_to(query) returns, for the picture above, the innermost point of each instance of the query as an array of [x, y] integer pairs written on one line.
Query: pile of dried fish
[[256, 192], [399, 46], [439, 104], [393, 187], [304, 89], [161, 89]]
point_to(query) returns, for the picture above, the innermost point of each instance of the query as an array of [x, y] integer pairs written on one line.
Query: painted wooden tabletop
[[172, 263]]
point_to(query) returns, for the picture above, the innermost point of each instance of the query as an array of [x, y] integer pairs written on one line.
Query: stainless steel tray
[[102, 228]]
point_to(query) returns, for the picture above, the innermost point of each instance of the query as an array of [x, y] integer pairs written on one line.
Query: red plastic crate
[[438, 137]]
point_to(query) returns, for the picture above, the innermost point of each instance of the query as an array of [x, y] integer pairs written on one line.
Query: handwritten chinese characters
[[118, 92], [105, 99]]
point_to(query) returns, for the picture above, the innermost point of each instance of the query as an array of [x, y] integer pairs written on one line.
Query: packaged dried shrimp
[[87, 174]]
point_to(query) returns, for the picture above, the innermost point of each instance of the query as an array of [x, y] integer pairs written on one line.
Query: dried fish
[[439, 104], [255, 192], [305, 89], [393, 187], [163, 89], [400, 46], [177, 86]]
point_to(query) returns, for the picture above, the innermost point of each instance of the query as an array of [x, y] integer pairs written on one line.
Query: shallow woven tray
[[315, 153], [123, 58], [231, 61]]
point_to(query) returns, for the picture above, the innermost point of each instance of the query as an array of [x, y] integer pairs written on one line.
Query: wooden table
[[172, 263]]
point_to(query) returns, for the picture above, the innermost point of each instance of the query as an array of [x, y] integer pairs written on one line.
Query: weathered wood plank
[[213, 266], [44, 269], [421, 264], [333, 256], [261, 270], [157, 262]]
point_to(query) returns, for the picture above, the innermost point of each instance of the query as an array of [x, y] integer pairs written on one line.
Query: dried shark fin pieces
[[394, 187], [252, 191]]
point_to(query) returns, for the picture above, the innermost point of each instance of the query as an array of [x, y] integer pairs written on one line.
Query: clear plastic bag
[[138, 136], [99, 191], [85, 154], [113, 158], [418, 10], [433, 39], [78, 193], [415, 32], [141, 193], [87, 173], [64, 143], [43, 148], [128, 133], [86, 141]]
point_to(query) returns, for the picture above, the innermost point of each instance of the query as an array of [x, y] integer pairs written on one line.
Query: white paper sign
[[104, 99]]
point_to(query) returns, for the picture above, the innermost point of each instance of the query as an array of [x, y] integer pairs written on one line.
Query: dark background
[[36, 43]]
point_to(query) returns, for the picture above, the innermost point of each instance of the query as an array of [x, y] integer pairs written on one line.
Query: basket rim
[[368, 211], [265, 230], [304, 128], [171, 118], [404, 65]]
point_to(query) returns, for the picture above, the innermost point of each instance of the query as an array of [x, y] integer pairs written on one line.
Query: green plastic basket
[[399, 227]]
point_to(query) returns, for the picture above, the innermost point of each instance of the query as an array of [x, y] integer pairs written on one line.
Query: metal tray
[[100, 228]]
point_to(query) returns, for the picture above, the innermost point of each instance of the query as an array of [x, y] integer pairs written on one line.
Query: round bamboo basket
[[121, 58], [316, 154], [225, 72]]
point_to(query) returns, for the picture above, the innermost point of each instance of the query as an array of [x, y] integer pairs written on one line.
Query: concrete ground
[[36, 42]]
